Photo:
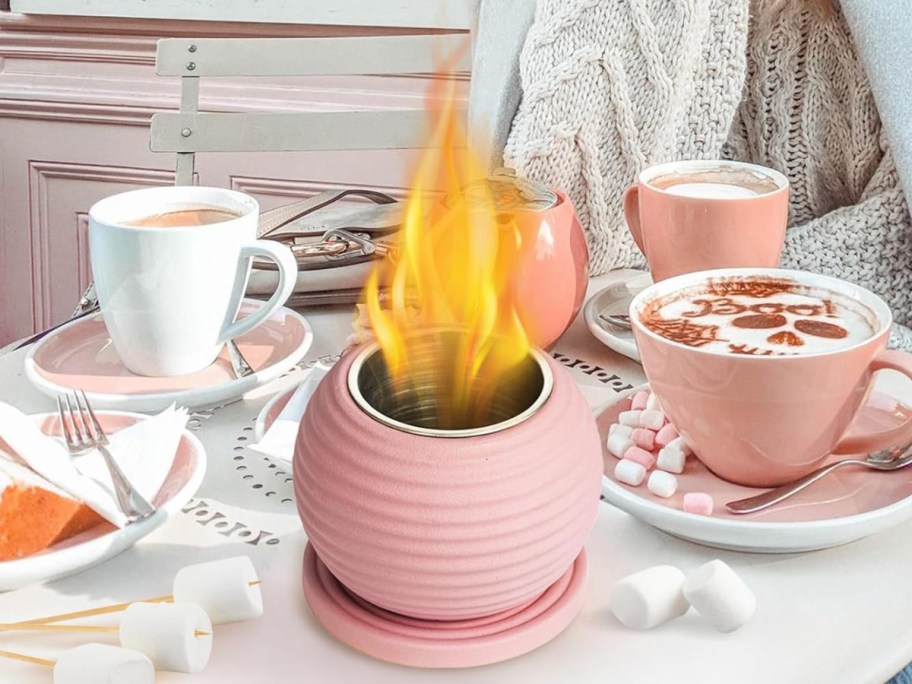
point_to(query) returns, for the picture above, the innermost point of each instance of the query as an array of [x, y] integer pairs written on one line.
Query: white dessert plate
[[104, 541], [622, 286], [846, 505], [80, 355]]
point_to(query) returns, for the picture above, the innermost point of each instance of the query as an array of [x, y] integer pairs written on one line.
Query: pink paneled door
[[75, 100]]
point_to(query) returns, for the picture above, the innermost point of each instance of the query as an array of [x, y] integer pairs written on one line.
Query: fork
[[83, 433]]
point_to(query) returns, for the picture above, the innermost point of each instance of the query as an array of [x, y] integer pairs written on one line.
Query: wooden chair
[[190, 131]]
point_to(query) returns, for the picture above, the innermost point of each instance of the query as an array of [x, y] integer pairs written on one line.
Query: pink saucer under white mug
[[846, 505], [80, 355]]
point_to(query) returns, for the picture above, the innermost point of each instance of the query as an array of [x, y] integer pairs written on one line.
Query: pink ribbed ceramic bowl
[[447, 525]]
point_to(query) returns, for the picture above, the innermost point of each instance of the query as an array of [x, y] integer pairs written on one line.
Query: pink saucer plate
[[80, 355], [435, 643], [105, 541], [844, 506]]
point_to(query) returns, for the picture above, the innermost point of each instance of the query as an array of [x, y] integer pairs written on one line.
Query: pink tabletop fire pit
[[446, 548]]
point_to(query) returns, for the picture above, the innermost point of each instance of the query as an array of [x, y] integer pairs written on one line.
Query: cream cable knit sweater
[[611, 87]]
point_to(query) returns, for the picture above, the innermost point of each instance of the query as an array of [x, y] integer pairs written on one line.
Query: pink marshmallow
[[639, 400], [643, 438], [698, 502], [641, 456], [667, 434]]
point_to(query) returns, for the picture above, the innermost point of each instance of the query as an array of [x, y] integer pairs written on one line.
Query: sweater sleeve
[[868, 243], [609, 88]]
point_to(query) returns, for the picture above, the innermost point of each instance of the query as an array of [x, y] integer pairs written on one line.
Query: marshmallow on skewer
[[177, 637], [103, 664], [223, 589], [649, 597], [720, 596]]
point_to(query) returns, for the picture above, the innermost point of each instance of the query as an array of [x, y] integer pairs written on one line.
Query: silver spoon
[[888, 459], [617, 320]]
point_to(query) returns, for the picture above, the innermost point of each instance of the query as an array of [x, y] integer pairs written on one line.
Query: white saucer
[[847, 505], [615, 298], [105, 541], [80, 355]]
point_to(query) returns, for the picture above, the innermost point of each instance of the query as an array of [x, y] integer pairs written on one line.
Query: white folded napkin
[[279, 439], [144, 451]]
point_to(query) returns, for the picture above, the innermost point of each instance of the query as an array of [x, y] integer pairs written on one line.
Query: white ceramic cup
[[169, 296]]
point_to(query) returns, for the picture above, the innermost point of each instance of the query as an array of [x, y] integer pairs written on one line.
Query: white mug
[[169, 296]]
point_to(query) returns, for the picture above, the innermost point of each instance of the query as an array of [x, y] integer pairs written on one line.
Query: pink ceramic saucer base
[[104, 541], [442, 644], [849, 504], [80, 355]]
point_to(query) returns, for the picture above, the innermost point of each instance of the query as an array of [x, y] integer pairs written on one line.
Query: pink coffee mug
[[681, 233], [763, 421]]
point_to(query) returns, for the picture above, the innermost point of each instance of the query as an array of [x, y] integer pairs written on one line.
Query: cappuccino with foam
[[759, 316], [723, 182]]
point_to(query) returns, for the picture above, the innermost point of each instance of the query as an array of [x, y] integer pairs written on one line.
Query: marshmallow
[[681, 446], [617, 445], [631, 418], [671, 460], [638, 403], [629, 472], [641, 456], [720, 596], [652, 419], [618, 429], [649, 597], [698, 502], [662, 484], [652, 402], [643, 438], [666, 435], [167, 633], [103, 664], [222, 588]]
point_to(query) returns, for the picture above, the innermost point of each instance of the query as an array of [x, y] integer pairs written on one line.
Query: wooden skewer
[[92, 612], [27, 658], [45, 627]]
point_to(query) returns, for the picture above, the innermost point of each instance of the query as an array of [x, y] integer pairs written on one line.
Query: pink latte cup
[[682, 225], [764, 420]]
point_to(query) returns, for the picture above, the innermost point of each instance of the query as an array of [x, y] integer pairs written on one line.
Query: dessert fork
[[82, 433], [888, 459]]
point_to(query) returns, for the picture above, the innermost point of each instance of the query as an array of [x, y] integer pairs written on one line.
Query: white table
[[840, 615]]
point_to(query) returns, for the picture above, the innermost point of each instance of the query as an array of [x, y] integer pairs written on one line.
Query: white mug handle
[[288, 275]]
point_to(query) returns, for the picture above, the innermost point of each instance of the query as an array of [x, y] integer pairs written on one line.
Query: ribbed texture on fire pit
[[447, 529]]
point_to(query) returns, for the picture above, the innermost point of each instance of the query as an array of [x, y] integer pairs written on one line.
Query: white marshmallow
[[618, 444], [671, 460], [167, 633], [679, 444], [618, 429], [629, 472], [652, 419], [631, 418], [662, 484], [652, 402], [103, 664], [649, 597], [222, 588], [720, 596]]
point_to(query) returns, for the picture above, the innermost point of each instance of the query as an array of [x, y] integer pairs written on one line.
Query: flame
[[453, 271]]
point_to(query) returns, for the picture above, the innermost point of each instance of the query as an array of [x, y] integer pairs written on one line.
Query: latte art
[[759, 317]]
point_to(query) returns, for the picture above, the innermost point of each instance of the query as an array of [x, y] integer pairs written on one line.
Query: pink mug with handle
[[764, 420], [696, 215]]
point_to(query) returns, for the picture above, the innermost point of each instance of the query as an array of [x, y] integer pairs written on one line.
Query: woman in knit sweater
[[607, 88]]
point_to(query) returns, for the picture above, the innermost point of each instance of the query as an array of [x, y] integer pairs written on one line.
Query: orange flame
[[455, 260]]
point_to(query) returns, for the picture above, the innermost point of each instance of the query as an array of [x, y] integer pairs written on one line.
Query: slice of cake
[[34, 514]]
